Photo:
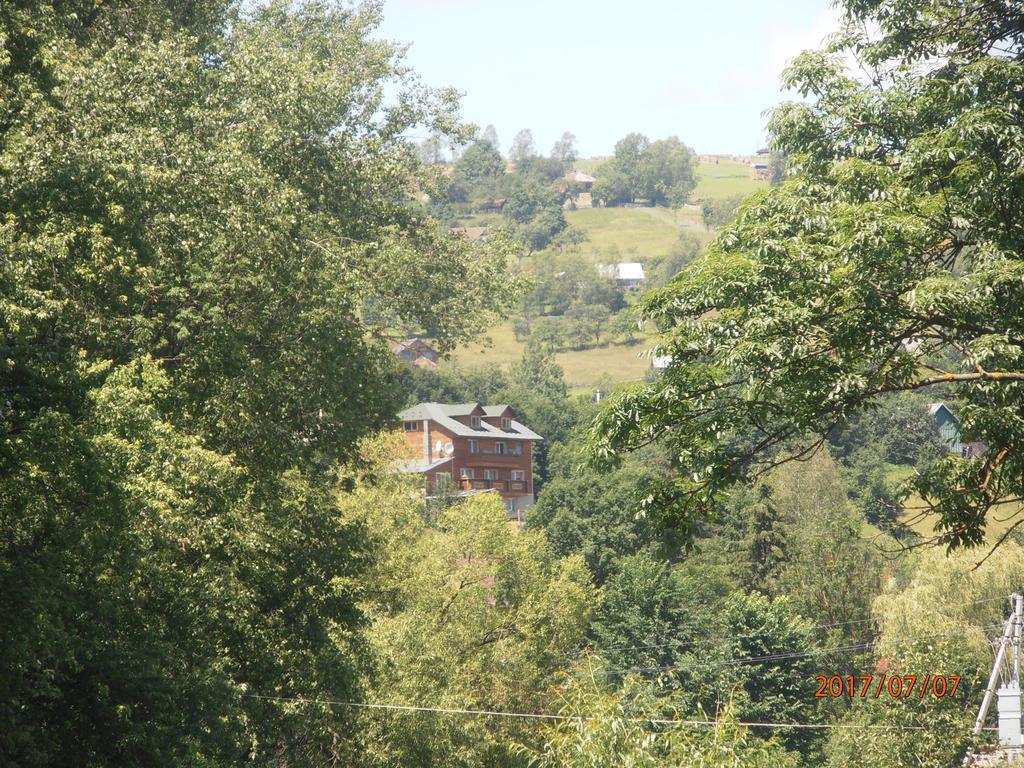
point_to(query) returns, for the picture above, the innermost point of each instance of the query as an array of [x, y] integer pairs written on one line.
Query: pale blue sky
[[704, 71]]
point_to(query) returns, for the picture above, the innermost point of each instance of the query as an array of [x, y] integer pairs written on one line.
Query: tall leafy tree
[[200, 205], [522, 149], [564, 150], [889, 260], [471, 613], [490, 135]]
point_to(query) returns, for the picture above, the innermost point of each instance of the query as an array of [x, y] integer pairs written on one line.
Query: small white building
[[628, 274]]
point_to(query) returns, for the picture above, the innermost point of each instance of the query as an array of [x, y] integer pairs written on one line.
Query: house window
[[518, 475], [474, 446], [466, 473], [510, 505], [412, 426], [442, 478], [474, 422], [490, 474], [499, 448], [506, 423]]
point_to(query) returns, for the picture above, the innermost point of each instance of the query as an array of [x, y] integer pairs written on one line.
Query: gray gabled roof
[[419, 465], [442, 413]]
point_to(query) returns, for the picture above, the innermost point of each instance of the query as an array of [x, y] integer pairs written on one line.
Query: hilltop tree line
[[656, 172], [531, 190]]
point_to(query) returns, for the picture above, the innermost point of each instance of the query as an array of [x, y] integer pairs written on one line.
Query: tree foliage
[[607, 729], [200, 204], [467, 613], [659, 172], [893, 247]]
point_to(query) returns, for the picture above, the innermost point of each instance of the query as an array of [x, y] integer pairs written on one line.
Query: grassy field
[[620, 362], [725, 179], [922, 522], [632, 234], [614, 234], [590, 164], [722, 179]]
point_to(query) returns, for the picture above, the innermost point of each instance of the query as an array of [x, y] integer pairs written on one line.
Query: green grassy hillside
[[725, 179], [620, 362], [632, 234], [615, 234]]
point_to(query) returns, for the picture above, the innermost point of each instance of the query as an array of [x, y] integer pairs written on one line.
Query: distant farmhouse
[[759, 168], [472, 448], [949, 429], [417, 352], [583, 183], [628, 274], [582, 180]]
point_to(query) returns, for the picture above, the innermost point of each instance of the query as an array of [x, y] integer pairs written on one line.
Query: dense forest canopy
[[198, 206]]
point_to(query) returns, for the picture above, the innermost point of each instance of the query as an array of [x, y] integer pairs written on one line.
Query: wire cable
[[577, 718]]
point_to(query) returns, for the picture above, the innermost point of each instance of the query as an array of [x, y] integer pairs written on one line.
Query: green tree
[[666, 173], [564, 150], [890, 250], [471, 613], [776, 690], [625, 325], [431, 150], [833, 566], [535, 210], [719, 211], [590, 514], [548, 334], [522, 150], [604, 728], [477, 175], [659, 172], [200, 204], [619, 178], [767, 539], [490, 135], [683, 253], [642, 623]]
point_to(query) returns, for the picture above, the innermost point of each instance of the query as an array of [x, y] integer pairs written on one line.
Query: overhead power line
[[550, 717]]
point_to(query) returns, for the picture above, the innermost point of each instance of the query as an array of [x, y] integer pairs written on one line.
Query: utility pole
[[1008, 694], [1019, 616]]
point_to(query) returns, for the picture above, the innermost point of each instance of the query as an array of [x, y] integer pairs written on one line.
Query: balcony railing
[[478, 484]]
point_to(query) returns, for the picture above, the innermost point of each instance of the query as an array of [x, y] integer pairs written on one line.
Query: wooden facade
[[472, 448]]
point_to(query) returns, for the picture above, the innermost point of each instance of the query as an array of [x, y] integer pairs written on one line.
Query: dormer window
[[506, 423], [412, 426], [474, 421]]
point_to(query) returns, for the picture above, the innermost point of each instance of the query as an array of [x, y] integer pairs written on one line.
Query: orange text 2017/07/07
[[895, 686]]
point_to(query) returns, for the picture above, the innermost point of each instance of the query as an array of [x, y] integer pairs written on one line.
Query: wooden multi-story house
[[472, 448]]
